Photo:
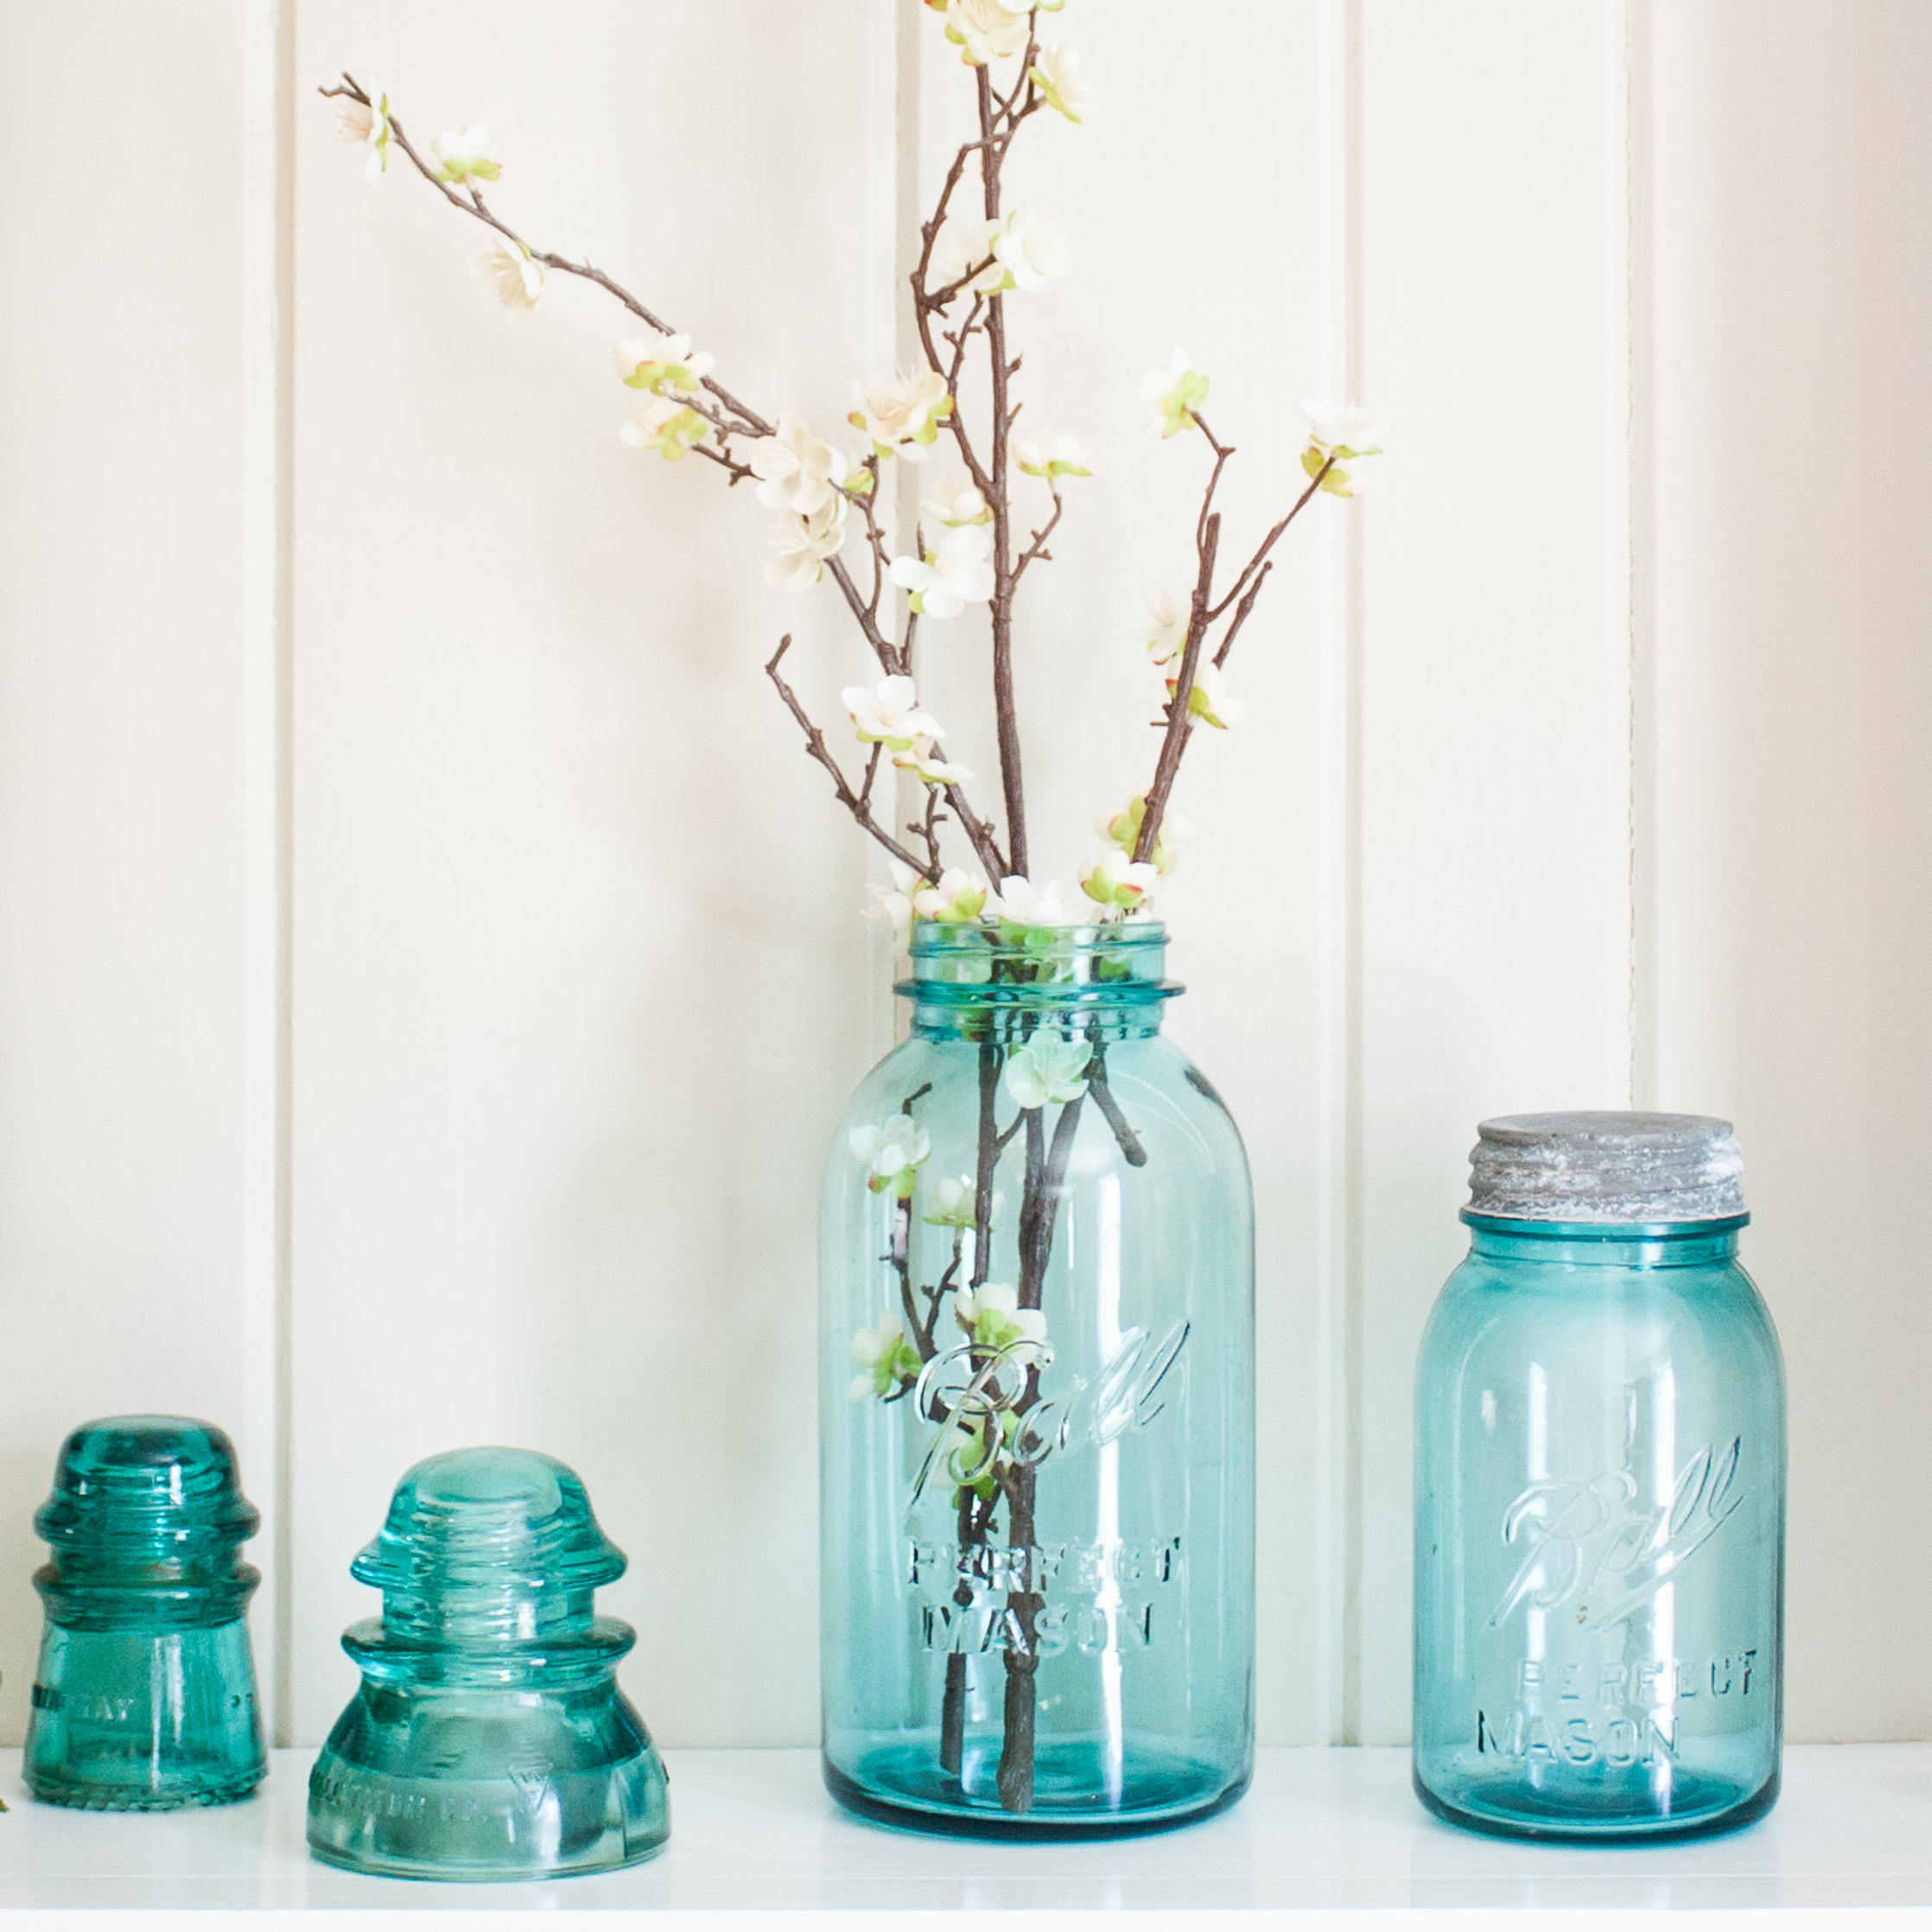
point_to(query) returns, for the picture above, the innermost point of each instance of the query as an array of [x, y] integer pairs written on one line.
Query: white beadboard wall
[[429, 969]]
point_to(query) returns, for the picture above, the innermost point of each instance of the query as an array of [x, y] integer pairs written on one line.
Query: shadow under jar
[[1600, 1482], [1036, 1404]]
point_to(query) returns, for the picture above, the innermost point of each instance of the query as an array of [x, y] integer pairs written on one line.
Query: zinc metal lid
[[1606, 1167]]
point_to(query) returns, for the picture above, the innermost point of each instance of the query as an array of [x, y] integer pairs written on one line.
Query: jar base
[[81, 1795], [1711, 1806], [901, 1785]]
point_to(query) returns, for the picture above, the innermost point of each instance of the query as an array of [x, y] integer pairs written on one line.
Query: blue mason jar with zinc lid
[[1600, 1485]]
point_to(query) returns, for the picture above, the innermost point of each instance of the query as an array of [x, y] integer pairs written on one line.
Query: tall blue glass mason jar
[[1600, 1482], [1037, 1403]]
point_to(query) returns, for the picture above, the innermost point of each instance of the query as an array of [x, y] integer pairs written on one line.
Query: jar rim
[[1549, 1229]]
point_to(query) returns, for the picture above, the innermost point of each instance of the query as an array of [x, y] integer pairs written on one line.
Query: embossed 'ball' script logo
[[1590, 1544]]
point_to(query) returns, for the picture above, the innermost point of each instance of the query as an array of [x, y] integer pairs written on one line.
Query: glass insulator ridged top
[[132, 1492], [488, 1541]]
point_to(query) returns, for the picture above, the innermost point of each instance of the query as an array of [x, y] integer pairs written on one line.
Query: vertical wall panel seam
[[1619, 639], [263, 724], [284, 729], [1338, 915], [1642, 586]]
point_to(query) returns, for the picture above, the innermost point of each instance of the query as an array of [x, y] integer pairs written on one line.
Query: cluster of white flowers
[[944, 580], [960, 898], [1118, 885], [665, 364], [992, 1316], [466, 155], [889, 714], [886, 1359], [1167, 635], [515, 275], [1210, 700], [903, 417], [954, 504], [1122, 829], [989, 30], [953, 1203], [1172, 395], [366, 124], [1056, 73], [1340, 434], [1025, 250], [1057, 457], [1048, 1071], [893, 1154], [1021, 904], [805, 479]]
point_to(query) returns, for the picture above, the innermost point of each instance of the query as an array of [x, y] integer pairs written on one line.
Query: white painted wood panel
[[1788, 705], [136, 1232], [1493, 836], [576, 977], [580, 980]]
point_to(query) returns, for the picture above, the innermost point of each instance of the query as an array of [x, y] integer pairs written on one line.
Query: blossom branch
[[859, 806], [753, 424], [1012, 778]]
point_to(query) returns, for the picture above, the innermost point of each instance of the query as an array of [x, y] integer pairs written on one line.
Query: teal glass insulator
[[144, 1698], [1599, 1485], [1036, 1404], [489, 1738]]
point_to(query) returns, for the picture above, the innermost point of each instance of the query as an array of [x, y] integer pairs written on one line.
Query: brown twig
[[815, 747]]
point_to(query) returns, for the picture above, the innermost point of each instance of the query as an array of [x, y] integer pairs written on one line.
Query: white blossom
[[802, 545], [894, 903], [892, 1154], [953, 504], [885, 1357], [1048, 1071], [662, 423], [517, 275], [1123, 828], [889, 714], [953, 1205], [966, 246], [1056, 72], [366, 124], [1057, 457], [957, 900], [795, 470], [1032, 248], [1210, 700], [1114, 880], [904, 413], [1341, 435], [468, 155], [1173, 394], [992, 1315], [944, 582], [919, 760], [1169, 612], [987, 31], [664, 363], [1020, 902]]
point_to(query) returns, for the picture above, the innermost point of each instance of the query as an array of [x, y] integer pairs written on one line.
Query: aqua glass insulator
[[489, 1738], [144, 1699]]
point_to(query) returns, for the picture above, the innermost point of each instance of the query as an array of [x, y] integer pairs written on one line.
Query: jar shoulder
[[1491, 1308]]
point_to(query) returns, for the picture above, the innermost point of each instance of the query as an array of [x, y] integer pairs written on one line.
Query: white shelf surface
[[1322, 1832]]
